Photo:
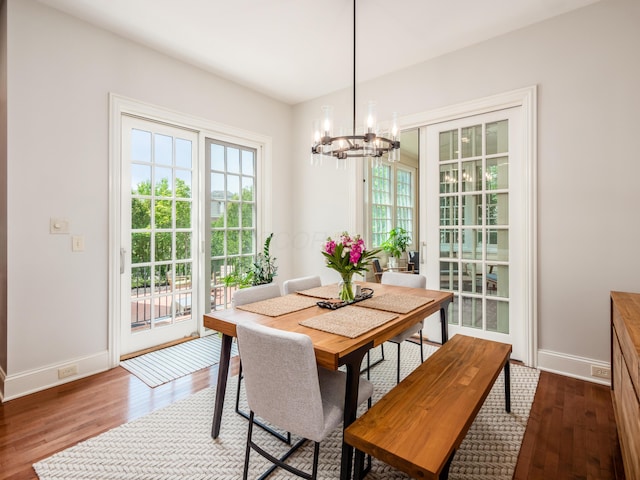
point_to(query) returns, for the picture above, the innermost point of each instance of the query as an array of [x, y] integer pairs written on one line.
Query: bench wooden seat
[[420, 423]]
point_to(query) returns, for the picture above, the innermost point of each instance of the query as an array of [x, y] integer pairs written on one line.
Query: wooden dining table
[[332, 350]]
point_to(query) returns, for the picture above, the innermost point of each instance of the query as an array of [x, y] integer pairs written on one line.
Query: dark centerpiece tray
[[334, 304]]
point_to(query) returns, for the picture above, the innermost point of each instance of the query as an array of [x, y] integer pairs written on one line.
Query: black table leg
[[223, 374], [352, 362], [444, 321], [507, 387]]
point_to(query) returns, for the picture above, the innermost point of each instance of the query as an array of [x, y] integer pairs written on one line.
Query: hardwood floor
[[571, 432]]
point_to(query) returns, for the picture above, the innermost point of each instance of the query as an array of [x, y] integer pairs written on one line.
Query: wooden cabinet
[[625, 379]]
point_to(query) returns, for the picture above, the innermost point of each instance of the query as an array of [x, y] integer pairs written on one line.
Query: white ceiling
[[295, 50]]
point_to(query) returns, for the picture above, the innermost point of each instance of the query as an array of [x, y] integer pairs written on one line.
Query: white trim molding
[[572, 366], [33, 381]]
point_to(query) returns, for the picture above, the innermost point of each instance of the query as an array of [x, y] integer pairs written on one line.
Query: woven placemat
[[325, 292], [349, 321], [274, 307], [393, 302]]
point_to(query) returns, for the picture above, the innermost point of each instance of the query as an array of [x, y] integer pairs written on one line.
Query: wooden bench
[[420, 423]]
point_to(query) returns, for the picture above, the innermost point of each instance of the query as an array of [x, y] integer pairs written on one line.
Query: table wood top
[[331, 348]]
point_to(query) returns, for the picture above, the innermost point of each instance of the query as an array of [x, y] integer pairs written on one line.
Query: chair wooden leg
[[421, 349]]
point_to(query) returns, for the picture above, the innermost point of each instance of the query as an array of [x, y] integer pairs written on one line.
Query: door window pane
[[233, 160], [449, 210], [497, 316], [497, 209], [471, 141], [183, 245], [163, 247], [497, 173], [183, 153], [140, 213], [449, 278], [498, 137], [183, 184], [471, 312], [472, 243], [471, 209], [474, 209], [472, 176], [183, 214], [162, 213], [140, 146], [448, 145], [163, 149], [449, 178], [498, 244], [449, 243]]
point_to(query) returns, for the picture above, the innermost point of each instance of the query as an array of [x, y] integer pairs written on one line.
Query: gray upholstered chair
[[299, 284], [413, 281], [286, 388], [244, 296]]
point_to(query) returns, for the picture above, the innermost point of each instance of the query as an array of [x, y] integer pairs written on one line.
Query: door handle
[[123, 253]]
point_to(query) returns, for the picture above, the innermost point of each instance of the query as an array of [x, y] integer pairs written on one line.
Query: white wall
[[587, 69], [60, 72]]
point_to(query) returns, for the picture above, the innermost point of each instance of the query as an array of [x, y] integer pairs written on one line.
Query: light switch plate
[[58, 225], [77, 243]]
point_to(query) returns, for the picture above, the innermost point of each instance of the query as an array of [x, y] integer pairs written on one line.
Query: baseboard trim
[[22, 384], [571, 366]]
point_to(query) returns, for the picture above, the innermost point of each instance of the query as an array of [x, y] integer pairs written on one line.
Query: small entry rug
[[162, 366], [175, 443]]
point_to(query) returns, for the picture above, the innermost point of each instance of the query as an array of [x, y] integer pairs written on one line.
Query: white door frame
[[119, 106], [526, 98]]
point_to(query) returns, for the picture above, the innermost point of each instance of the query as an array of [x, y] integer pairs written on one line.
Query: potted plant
[[261, 272], [264, 268], [396, 245]]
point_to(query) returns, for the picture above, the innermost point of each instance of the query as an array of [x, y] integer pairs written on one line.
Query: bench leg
[[444, 474], [507, 387], [358, 466]]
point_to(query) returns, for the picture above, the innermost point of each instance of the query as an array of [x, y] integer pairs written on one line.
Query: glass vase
[[346, 288]]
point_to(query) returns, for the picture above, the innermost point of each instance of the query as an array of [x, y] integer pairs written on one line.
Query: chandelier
[[371, 144]]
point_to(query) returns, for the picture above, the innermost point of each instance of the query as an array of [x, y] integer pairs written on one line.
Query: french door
[[158, 233], [473, 223]]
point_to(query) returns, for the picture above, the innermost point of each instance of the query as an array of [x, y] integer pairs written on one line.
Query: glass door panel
[[470, 168], [158, 284]]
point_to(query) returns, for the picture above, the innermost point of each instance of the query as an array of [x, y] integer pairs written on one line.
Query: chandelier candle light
[[347, 256], [368, 145]]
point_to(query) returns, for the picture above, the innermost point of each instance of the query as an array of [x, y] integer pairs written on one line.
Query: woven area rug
[[175, 442], [162, 366]]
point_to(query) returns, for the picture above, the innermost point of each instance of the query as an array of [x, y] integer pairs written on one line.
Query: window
[[232, 214], [393, 200]]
